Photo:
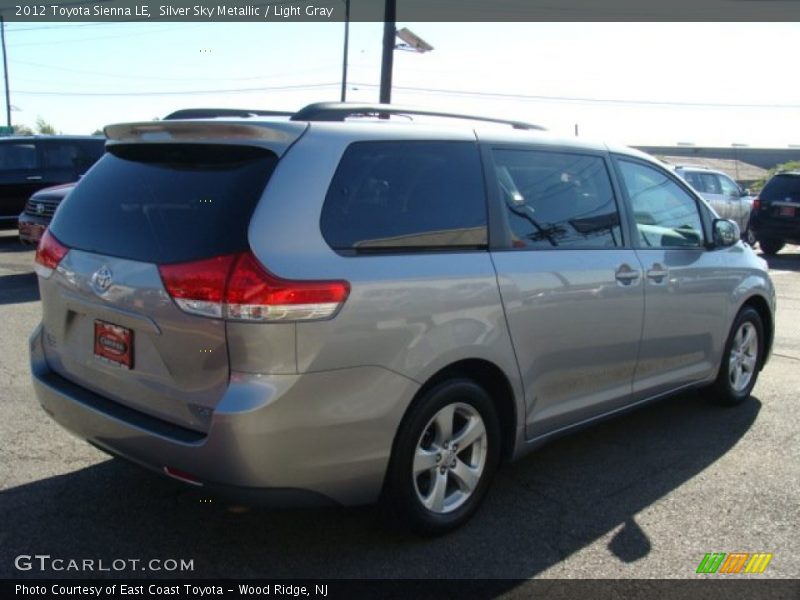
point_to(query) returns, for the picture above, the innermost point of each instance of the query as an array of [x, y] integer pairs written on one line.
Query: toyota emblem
[[101, 280]]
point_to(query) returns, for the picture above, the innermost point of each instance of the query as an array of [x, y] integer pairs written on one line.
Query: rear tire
[[741, 359], [771, 246], [445, 455]]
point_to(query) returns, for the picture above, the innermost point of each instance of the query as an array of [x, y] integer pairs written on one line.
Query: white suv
[[723, 194]]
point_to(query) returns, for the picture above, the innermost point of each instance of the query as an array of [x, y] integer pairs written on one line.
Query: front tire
[[445, 455], [742, 358]]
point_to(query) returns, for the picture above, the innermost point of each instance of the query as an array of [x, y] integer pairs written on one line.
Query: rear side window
[[557, 200], [66, 155], [782, 187], [406, 196], [166, 203], [18, 156]]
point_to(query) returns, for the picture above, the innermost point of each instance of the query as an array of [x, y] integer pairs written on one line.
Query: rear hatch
[[780, 199], [110, 324]]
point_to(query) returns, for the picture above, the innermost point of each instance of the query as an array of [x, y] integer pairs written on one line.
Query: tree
[[43, 126], [22, 130]]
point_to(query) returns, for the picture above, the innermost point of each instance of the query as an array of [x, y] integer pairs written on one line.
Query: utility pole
[[346, 41], [389, 18], [5, 70]]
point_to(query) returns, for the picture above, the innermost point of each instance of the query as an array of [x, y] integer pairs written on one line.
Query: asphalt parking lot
[[642, 496]]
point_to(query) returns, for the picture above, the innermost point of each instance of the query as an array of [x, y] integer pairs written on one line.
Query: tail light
[[756, 203], [199, 287], [237, 287], [49, 253]]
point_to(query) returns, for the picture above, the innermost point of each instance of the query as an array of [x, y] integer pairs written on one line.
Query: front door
[[684, 282], [571, 286]]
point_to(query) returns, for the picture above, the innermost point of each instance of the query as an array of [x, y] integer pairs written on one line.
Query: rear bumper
[[286, 440], [775, 228]]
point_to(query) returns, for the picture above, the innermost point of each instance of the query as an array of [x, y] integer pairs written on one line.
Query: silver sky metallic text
[[223, 10]]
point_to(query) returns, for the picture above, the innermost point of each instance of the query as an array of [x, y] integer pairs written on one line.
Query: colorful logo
[[735, 562]]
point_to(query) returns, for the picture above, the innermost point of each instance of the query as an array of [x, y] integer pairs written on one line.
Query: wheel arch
[[492, 379]]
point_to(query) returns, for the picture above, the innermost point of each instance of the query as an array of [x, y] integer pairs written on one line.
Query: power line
[[109, 37], [580, 99], [128, 76], [186, 92], [468, 93]]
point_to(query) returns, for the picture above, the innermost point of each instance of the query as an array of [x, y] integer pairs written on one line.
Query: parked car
[[318, 310], [776, 212], [39, 212], [30, 163], [723, 194]]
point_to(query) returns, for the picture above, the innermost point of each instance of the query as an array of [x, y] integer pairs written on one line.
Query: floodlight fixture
[[412, 41]]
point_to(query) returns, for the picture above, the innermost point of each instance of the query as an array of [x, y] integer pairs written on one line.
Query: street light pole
[[346, 41], [389, 18], [5, 69]]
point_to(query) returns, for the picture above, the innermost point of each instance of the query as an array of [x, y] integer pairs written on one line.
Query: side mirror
[[747, 192], [726, 233]]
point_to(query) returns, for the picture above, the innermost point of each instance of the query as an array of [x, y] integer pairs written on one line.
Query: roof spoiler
[[210, 113]]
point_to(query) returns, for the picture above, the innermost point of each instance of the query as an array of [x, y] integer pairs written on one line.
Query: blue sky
[[720, 83]]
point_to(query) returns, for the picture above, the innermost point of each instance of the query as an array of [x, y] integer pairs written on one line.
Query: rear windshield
[[781, 187], [165, 203]]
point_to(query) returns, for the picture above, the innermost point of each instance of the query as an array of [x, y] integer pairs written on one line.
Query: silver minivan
[[334, 309]]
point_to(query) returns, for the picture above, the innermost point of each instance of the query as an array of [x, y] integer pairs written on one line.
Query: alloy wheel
[[450, 458], [743, 359]]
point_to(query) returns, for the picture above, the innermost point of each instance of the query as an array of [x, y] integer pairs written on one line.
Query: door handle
[[625, 275], [657, 273], [34, 178]]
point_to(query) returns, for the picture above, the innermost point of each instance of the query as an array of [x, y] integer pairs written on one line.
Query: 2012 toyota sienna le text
[[320, 309]]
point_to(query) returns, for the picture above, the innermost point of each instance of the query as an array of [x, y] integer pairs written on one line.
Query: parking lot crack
[[790, 357]]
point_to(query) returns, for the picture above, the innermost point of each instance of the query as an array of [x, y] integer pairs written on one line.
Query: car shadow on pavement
[[540, 511], [18, 287], [785, 261], [9, 242]]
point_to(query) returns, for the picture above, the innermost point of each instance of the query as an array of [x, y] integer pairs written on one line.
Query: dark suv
[[776, 213], [39, 211], [30, 163]]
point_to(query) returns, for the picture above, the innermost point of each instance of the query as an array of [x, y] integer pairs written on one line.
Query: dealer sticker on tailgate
[[113, 343]]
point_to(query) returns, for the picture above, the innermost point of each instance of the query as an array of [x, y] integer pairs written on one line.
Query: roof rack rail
[[697, 167], [339, 111], [210, 113]]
